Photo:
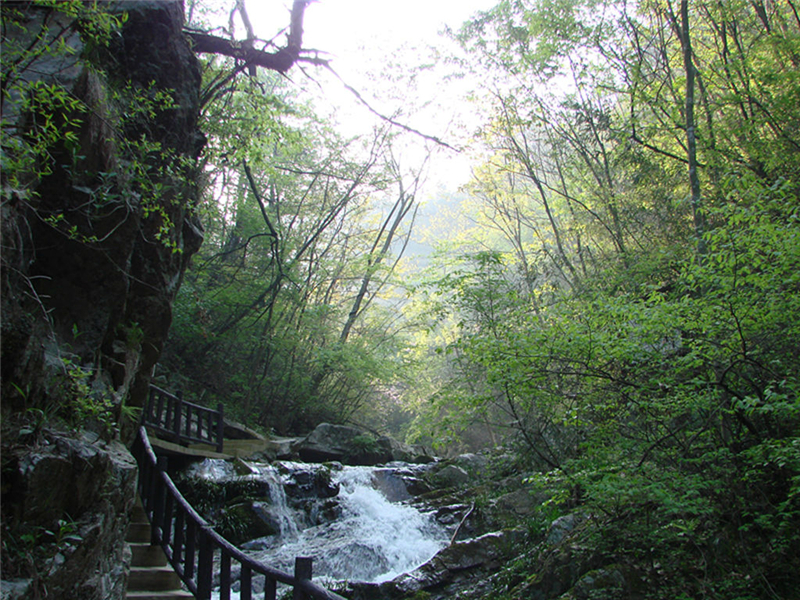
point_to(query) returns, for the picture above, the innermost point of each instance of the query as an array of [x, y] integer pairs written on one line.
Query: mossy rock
[[246, 521]]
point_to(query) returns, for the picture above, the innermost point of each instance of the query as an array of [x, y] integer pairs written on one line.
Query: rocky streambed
[[373, 531]]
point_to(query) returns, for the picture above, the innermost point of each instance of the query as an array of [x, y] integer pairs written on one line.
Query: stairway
[[151, 577]]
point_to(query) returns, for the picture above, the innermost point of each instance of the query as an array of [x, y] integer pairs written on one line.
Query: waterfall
[[369, 533], [375, 539], [279, 508]]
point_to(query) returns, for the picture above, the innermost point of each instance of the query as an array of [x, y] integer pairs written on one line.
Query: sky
[[367, 41], [344, 27]]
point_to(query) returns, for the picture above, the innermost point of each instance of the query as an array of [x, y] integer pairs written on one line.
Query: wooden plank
[[246, 588], [172, 448]]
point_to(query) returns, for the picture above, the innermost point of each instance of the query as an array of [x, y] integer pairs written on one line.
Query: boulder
[[519, 502], [561, 528], [475, 464], [391, 484], [247, 521], [451, 476], [305, 484], [458, 567], [608, 581], [238, 431], [350, 445], [242, 469]]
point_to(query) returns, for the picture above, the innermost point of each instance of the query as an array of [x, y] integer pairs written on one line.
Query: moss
[[240, 523]]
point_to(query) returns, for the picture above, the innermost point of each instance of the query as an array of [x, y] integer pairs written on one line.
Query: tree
[[291, 263], [657, 387], [243, 52]]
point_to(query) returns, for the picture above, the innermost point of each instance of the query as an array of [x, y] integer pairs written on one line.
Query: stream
[[368, 531]]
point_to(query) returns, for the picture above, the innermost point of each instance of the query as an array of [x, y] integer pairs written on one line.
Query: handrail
[[190, 542], [182, 421]]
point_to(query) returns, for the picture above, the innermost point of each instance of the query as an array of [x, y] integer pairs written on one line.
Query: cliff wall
[[100, 148]]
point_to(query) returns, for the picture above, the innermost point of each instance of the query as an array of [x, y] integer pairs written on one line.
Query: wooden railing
[[191, 545], [180, 421]]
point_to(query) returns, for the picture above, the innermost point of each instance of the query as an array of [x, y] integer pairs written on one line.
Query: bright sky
[[341, 26], [367, 40]]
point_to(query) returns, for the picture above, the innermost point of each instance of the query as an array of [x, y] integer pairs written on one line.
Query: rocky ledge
[[66, 505]]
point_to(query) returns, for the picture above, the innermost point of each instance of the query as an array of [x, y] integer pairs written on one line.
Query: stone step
[[169, 595], [147, 555], [138, 533], [137, 514], [153, 579]]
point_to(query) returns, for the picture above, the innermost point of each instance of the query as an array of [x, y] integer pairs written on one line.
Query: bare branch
[[381, 116], [281, 60]]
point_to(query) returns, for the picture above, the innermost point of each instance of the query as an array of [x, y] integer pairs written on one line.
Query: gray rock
[[350, 445], [519, 503], [14, 589], [560, 528], [241, 468], [391, 485], [474, 463], [451, 476], [608, 579], [247, 521], [311, 484], [87, 490]]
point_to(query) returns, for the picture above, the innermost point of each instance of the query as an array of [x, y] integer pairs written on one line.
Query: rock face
[[96, 241], [100, 148], [244, 504], [71, 498]]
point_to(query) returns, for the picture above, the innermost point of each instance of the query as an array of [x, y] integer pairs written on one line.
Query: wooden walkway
[[191, 545]]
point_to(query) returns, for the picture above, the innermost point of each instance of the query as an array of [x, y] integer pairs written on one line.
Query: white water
[[373, 540]]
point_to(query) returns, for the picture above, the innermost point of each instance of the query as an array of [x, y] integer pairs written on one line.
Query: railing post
[[179, 539], [176, 426], [147, 413], [190, 543], [159, 414], [303, 566], [167, 521], [224, 576], [220, 426], [205, 566], [188, 556], [159, 491], [245, 583], [270, 588]]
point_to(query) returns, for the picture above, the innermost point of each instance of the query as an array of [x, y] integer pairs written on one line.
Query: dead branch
[[281, 60]]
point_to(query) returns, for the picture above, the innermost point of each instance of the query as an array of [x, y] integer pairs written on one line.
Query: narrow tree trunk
[[691, 137]]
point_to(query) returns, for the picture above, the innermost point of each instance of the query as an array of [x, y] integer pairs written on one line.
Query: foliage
[[363, 444], [628, 335], [53, 133], [27, 549], [277, 318]]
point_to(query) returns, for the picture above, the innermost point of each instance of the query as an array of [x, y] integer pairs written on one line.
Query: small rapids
[[367, 532]]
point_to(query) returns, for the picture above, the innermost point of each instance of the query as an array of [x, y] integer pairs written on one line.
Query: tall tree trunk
[[682, 29]]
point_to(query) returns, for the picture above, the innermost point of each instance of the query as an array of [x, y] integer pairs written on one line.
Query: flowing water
[[375, 535]]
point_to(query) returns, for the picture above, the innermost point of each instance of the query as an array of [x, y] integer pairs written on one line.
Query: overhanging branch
[[281, 60]]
